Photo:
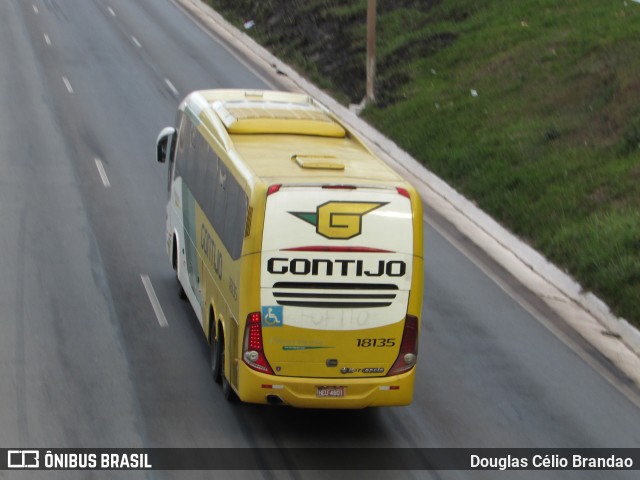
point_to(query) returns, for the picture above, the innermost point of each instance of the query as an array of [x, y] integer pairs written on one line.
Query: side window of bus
[[220, 199], [235, 218], [183, 127], [190, 158], [229, 212], [214, 187], [210, 176], [198, 179], [176, 150], [183, 153]]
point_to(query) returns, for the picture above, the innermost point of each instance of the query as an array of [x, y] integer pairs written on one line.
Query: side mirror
[[162, 144]]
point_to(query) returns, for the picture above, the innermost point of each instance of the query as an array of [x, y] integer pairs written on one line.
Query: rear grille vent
[[334, 295]]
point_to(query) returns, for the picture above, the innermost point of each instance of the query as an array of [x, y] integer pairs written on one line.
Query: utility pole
[[371, 51]]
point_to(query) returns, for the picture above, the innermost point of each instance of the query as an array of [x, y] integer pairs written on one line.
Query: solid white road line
[[155, 303], [102, 172]]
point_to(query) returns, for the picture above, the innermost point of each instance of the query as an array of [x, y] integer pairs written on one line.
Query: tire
[[227, 391], [214, 355], [181, 293]]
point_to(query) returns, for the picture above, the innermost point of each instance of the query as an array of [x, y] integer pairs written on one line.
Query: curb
[[615, 337]]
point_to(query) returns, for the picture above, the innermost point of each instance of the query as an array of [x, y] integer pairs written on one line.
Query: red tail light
[[273, 189], [252, 348], [408, 348], [404, 192]]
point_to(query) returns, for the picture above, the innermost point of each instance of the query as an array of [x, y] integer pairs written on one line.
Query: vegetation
[[530, 108]]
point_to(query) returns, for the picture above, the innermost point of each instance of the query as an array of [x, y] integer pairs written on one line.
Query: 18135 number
[[376, 342]]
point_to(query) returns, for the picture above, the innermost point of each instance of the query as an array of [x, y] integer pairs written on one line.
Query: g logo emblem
[[338, 220]]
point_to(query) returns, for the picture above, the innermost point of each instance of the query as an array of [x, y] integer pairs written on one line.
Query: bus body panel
[[359, 393], [308, 352], [335, 280]]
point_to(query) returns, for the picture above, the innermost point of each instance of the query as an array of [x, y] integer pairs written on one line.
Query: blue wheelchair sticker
[[272, 316]]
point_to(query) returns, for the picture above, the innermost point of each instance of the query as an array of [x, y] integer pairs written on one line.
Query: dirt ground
[[328, 39]]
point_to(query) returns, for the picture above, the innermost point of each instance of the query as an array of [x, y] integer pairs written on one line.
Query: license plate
[[333, 392]]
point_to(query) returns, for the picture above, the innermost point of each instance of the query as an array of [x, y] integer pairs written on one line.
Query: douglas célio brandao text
[[550, 462]]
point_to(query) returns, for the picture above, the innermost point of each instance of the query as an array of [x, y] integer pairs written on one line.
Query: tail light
[[404, 192], [408, 348], [274, 189], [252, 347]]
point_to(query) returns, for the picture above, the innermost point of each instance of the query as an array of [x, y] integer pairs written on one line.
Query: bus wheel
[[214, 353], [181, 293], [227, 391]]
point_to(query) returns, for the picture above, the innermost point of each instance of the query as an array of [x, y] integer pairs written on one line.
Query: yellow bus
[[299, 250]]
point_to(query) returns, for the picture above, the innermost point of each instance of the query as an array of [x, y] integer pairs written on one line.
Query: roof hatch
[[318, 162]]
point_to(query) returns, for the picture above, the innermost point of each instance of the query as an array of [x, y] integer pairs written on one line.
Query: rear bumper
[[255, 387]]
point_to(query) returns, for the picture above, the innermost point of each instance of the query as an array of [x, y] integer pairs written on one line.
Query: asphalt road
[[85, 87]]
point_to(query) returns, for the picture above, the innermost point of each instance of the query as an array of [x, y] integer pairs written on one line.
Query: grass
[[530, 108]]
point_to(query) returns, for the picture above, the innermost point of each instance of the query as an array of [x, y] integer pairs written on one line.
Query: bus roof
[[287, 137]]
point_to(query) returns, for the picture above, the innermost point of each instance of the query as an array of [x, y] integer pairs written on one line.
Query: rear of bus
[[341, 297]]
